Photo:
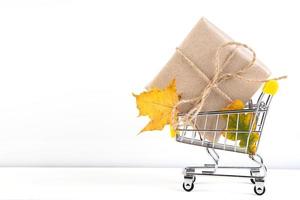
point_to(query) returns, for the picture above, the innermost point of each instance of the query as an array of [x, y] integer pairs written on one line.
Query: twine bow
[[191, 117]]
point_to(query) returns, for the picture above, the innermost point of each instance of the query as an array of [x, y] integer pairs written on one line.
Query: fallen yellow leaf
[[158, 105], [235, 105], [244, 124]]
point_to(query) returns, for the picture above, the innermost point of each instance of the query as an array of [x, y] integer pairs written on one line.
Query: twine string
[[190, 118]]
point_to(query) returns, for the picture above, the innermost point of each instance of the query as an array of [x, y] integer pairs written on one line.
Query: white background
[[68, 68]]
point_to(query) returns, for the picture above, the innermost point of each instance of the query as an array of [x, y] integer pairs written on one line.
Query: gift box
[[200, 47]]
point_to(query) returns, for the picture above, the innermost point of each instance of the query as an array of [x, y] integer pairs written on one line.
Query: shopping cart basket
[[197, 136]]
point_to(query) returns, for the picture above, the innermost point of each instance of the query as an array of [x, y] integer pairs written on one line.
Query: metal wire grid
[[198, 136]]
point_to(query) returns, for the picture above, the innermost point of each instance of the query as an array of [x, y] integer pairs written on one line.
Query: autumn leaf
[[244, 124], [158, 105]]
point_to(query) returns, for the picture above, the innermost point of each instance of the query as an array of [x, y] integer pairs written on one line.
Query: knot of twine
[[190, 117]]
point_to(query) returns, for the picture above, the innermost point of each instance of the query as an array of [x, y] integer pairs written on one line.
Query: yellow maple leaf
[[158, 105]]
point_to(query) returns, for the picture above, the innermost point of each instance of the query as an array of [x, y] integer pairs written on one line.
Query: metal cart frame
[[195, 136]]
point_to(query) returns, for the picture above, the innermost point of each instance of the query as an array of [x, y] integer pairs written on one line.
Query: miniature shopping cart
[[216, 137]]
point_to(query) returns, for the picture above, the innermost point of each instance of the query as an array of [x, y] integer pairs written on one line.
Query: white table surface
[[135, 183]]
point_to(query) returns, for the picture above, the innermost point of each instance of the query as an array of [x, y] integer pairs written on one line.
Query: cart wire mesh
[[223, 129]]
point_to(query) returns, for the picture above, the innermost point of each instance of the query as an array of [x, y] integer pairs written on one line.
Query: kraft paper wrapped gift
[[200, 46]]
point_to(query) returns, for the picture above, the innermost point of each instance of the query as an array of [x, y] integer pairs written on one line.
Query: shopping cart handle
[[271, 87]]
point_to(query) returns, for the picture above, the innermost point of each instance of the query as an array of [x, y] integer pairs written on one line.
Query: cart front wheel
[[259, 190], [188, 186]]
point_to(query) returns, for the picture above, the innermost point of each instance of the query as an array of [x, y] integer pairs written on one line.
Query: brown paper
[[200, 46]]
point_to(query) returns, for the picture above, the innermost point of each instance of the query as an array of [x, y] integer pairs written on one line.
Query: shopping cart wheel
[[188, 186], [259, 190]]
